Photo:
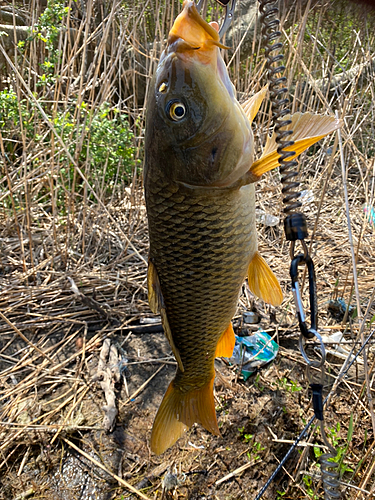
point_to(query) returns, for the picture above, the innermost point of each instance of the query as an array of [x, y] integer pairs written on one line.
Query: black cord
[[309, 424]]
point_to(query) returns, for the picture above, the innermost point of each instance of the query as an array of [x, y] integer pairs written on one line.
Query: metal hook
[[228, 13], [292, 249], [200, 5], [311, 362]]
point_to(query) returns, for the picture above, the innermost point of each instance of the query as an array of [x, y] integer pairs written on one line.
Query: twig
[[236, 472], [140, 389], [98, 464], [25, 338], [88, 301], [144, 329]]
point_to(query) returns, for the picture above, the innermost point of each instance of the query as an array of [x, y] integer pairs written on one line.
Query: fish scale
[[200, 273]]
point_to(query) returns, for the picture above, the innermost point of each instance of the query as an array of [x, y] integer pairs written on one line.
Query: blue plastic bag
[[253, 352]]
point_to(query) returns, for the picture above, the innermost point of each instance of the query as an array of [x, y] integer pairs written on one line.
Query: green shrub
[[99, 139], [107, 143]]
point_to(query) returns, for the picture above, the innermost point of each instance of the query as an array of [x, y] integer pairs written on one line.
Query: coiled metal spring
[[328, 467], [329, 476], [279, 102]]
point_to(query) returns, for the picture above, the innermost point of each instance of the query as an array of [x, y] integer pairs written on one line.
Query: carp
[[199, 180]]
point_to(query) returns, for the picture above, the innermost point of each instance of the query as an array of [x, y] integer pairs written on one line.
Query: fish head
[[196, 131]]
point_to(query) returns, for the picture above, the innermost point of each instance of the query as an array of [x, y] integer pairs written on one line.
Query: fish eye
[[176, 110]]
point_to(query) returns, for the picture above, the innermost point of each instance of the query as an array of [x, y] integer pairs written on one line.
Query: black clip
[[308, 333], [317, 399]]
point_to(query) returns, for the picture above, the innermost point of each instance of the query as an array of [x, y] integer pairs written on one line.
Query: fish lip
[[194, 31], [177, 45]]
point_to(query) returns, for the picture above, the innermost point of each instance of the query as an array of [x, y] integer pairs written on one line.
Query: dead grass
[[57, 230]]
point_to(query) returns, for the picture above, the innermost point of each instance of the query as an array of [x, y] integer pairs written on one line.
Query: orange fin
[[169, 335], [308, 129], [226, 343], [179, 411], [252, 105], [155, 297], [262, 282], [156, 302]]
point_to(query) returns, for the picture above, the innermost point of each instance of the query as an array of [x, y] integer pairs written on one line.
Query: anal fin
[[262, 282], [226, 343], [156, 302], [179, 411]]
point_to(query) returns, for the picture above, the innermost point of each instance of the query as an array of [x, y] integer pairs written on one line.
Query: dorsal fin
[[252, 105]]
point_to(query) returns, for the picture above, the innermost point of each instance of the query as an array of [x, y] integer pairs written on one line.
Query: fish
[[199, 177]]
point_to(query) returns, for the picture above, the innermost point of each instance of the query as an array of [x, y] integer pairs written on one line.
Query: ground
[[52, 432]]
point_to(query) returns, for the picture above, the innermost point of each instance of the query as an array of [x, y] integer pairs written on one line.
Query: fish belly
[[201, 243]]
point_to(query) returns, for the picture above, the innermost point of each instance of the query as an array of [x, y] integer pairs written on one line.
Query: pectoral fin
[[308, 129], [156, 302], [252, 105], [226, 343], [262, 282]]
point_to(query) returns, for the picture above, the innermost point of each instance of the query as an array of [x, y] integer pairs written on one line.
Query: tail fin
[[179, 411]]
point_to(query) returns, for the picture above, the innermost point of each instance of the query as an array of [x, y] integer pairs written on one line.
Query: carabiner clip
[[310, 362], [308, 333]]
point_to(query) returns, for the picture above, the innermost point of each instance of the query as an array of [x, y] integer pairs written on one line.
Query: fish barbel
[[199, 189]]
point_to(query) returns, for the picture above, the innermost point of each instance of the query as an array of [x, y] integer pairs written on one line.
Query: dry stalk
[[355, 277], [98, 464], [143, 386], [23, 337]]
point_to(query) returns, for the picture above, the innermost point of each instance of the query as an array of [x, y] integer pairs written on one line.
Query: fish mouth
[[190, 32]]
